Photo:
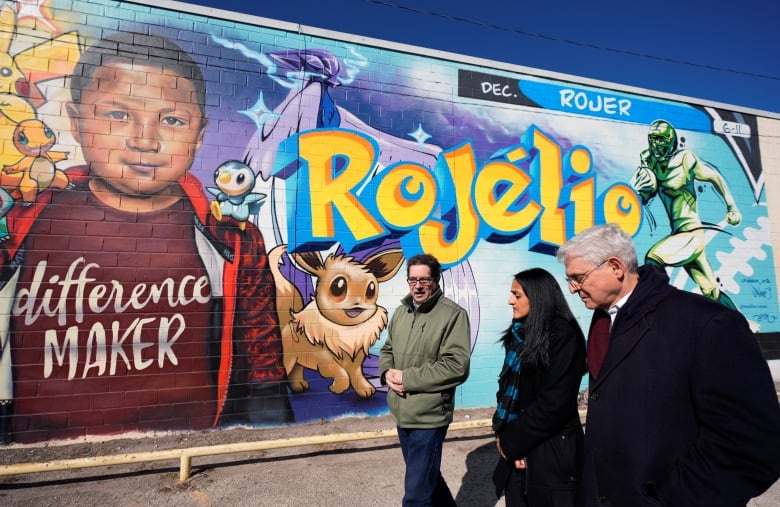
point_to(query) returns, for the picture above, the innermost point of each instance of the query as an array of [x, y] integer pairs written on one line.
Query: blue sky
[[707, 49]]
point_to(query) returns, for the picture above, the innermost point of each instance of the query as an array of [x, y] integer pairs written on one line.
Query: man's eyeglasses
[[422, 281], [578, 280]]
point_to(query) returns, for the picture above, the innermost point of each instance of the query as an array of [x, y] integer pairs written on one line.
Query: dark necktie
[[598, 341]]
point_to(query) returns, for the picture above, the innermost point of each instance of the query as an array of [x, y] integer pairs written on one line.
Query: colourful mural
[[203, 223]]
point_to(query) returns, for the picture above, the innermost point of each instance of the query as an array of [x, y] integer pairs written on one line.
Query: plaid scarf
[[509, 380]]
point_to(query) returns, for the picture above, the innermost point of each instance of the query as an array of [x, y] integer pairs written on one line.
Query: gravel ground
[[354, 473]]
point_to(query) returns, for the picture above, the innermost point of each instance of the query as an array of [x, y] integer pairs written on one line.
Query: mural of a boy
[[131, 308]]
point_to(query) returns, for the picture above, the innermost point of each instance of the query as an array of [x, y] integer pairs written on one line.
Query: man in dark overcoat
[[682, 409]]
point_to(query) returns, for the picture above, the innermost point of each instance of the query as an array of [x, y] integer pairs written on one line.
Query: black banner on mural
[[478, 85], [770, 345], [740, 133]]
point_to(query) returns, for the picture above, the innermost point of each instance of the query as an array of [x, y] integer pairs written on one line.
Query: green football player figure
[[670, 172]]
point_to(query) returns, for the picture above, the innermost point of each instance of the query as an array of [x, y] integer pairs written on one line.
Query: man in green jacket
[[426, 356]]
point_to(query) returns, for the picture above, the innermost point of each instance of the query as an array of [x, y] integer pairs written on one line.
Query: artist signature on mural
[[759, 281], [761, 292], [759, 287], [766, 318]]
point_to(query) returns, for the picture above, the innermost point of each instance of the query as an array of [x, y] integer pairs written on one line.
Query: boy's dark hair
[[137, 48], [426, 260]]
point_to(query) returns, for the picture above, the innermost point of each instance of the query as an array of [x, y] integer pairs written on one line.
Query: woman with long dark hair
[[538, 431]]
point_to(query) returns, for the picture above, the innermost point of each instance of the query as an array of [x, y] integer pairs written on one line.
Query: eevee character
[[334, 331]]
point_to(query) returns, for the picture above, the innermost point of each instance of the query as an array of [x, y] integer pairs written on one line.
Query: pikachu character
[[334, 331], [19, 94], [36, 170]]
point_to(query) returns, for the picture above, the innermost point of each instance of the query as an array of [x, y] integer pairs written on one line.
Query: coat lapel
[[631, 324], [622, 341]]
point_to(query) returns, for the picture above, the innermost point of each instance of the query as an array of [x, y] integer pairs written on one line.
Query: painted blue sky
[[714, 50]]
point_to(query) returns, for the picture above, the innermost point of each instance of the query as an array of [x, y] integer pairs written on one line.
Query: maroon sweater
[[113, 326]]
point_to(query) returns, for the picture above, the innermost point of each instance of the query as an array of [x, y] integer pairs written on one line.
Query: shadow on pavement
[[477, 488]]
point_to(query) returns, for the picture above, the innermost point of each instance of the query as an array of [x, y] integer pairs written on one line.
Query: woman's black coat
[[547, 432]]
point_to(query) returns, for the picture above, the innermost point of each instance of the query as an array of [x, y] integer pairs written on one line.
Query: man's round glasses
[[422, 281], [578, 280]]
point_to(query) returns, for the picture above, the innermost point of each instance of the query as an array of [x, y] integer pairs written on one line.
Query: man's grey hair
[[599, 243]]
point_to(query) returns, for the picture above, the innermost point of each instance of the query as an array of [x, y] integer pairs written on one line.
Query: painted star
[[419, 135], [259, 113], [32, 9]]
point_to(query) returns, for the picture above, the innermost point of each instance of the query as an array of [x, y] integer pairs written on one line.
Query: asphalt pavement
[[350, 474]]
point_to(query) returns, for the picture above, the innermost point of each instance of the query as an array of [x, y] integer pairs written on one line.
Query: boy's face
[[139, 129]]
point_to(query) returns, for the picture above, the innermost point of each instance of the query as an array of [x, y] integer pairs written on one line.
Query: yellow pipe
[[185, 455], [185, 468]]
